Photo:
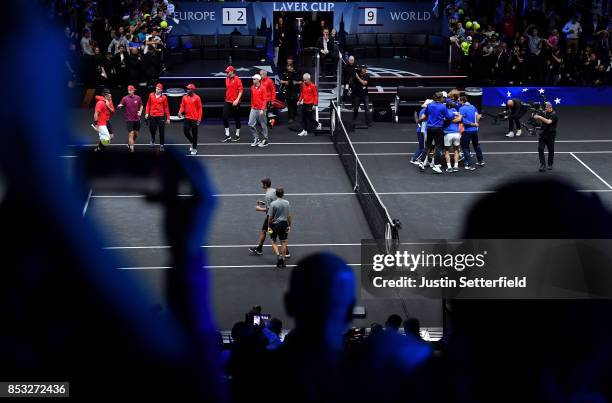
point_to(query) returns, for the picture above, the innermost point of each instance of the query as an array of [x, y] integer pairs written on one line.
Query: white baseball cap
[[427, 102], [257, 76]]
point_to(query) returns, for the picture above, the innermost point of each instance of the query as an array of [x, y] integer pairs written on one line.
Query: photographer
[[549, 122], [514, 112]]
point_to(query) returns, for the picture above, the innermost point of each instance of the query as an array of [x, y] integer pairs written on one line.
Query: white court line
[[266, 155], [297, 245], [487, 141], [376, 154], [87, 202], [495, 153], [593, 172], [208, 144], [335, 194], [330, 142], [231, 195], [249, 266], [368, 154]]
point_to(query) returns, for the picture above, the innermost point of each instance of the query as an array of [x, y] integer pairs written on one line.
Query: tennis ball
[[164, 24], [105, 139], [460, 11], [476, 26], [270, 231], [468, 24], [465, 47]]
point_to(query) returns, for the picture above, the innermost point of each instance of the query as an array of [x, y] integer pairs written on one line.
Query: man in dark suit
[[328, 52]]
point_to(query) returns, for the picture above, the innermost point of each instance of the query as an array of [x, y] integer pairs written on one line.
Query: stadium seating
[[218, 47], [416, 45], [397, 45], [437, 48]]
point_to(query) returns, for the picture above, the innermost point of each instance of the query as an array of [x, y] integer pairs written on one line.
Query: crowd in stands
[[561, 43], [113, 43]]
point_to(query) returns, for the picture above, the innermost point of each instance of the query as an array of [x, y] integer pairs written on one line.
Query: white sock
[[237, 132], [227, 132]]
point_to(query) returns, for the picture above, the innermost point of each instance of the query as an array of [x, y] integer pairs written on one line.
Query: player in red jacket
[[111, 107], [309, 99], [257, 116], [268, 84], [191, 109], [103, 109], [155, 111], [231, 106]]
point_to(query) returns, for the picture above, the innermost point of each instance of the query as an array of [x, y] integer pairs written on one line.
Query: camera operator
[[514, 112], [549, 122]]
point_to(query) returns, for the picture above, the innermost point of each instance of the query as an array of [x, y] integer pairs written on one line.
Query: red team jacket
[[233, 86], [268, 84], [191, 106], [157, 106], [103, 111], [259, 97], [309, 94]]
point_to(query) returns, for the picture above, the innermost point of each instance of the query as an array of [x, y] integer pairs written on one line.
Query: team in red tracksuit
[[155, 111], [257, 116], [191, 108], [268, 84], [231, 106], [309, 99]]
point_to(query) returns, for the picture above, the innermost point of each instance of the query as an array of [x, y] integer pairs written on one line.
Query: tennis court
[[327, 213]]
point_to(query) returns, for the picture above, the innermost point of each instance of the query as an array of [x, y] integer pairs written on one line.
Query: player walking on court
[[257, 116], [309, 99], [156, 109], [102, 112], [279, 221], [264, 206], [133, 110], [191, 109], [231, 107]]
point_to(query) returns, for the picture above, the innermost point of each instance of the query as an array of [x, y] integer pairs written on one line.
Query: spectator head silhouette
[[555, 210], [393, 323], [412, 326], [321, 297]]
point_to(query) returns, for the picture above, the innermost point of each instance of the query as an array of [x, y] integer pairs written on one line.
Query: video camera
[[535, 108]]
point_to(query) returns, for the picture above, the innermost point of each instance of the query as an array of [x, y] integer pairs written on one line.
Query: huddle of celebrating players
[[157, 112], [450, 123]]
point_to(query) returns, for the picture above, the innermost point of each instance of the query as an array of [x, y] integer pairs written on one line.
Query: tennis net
[[376, 213]]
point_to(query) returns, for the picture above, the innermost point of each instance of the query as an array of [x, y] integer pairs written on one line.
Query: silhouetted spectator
[[393, 323]]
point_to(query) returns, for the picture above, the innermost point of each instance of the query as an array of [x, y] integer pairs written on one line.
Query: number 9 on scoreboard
[[370, 16], [234, 16]]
